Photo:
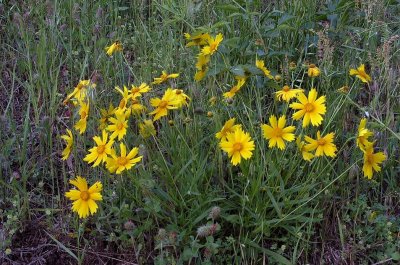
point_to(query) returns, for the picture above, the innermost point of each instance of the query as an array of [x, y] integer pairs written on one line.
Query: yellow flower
[[197, 40], [122, 107], [310, 109], [372, 161], [229, 127], [137, 107], [202, 61], [117, 164], [322, 145], [83, 114], [137, 91], [361, 74], [305, 151], [69, 139], [105, 115], [168, 101], [84, 198], [287, 93], [200, 74], [240, 82], [213, 44], [363, 134], [146, 129], [164, 77], [115, 47], [313, 70], [277, 133], [80, 91], [344, 89], [118, 126], [181, 97], [100, 152], [237, 144], [261, 65]]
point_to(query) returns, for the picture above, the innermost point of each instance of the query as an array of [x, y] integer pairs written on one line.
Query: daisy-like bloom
[[197, 40], [372, 161], [310, 109], [181, 97], [202, 61], [287, 93], [322, 145], [137, 107], [115, 47], [69, 139], [167, 102], [305, 152], [213, 44], [137, 91], [117, 164], [84, 198], [80, 91], [200, 74], [164, 77], [123, 104], [261, 65], [240, 82], [361, 74], [83, 114], [100, 152], [118, 126], [229, 127], [238, 144], [313, 70], [105, 115], [363, 134], [276, 133], [146, 129]]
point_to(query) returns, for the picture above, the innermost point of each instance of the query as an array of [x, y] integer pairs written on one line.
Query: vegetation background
[[277, 209]]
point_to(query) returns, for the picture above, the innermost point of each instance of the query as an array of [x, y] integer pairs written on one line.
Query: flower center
[[278, 132], [122, 161], [100, 149], [135, 90], [370, 159], [311, 66], [178, 92], [122, 104], [163, 104], [85, 195], [309, 107], [120, 126], [286, 88], [83, 115], [321, 141], [135, 101], [237, 146]]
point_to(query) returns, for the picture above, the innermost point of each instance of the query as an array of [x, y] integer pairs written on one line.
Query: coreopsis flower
[[80, 91], [361, 74], [137, 91], [313, 70], [372, 160], [181, 97], [146, 129], [105, 115], [115, 47], [83, 114], [197, 40], [278, 78], [118, 126], [164, 77], [199, 75], [69, 139], [237, 144], [202, 61], [240, 82], [123, 103], [305, 151], [137, 107], [84, 198], [167, 102], [322, 145], [363, 134], [310, 109], [117, 164], [213, 44], [229, 127], [276, 133], [287, 93], [99, 153], [261, 65]]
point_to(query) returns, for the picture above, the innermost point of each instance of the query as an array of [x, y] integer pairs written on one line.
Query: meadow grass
[[274, 208]]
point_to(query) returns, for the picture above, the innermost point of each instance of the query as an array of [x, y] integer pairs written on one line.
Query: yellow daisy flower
[[240, 82], [105, 115], [137, 91], [115, 47], [213, 44], [197, 40], [164, 77], [123, 104], [305, 151], [372, 161], [313, 70], [181, 97], [260, 64], [202, 61], [310, 109], [363, 134], [84, 198], [322, 145], [147, 129], [199, 75], [118, 126], [276, 133], [287, 93], [80, 91], [361, 74], [117, 164], [100, 152], [229, 127], [137, 107], [237, 144], [83, 114], [69, 139], [167, 102]]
